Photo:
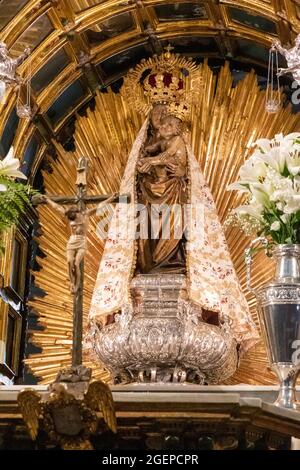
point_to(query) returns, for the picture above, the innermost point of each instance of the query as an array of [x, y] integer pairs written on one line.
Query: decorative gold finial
[[168, 50]]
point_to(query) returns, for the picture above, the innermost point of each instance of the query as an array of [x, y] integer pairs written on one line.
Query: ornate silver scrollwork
[[162, 338]]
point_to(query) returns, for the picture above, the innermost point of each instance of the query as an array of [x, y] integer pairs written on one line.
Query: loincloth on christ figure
[[76, 242]]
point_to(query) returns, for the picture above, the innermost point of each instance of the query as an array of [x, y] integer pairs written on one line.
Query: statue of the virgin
[[170, 231]]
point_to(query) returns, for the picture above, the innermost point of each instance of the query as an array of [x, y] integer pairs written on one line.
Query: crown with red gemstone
[[166, 79]]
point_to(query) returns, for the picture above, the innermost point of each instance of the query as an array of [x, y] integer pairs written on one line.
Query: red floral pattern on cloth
[[213, 283]]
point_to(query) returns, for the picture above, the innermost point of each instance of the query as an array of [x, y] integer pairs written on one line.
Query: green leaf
[[13, 202]]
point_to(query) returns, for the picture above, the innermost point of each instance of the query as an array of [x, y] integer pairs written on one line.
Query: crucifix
[[77, 214]]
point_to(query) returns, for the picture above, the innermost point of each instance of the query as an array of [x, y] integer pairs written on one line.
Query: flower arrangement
[[270, 179], [14, 196]]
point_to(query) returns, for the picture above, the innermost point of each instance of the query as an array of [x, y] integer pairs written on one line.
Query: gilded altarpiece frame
[[13, 269]]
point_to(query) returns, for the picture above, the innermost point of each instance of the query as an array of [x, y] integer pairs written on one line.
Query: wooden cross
[[81, 200]]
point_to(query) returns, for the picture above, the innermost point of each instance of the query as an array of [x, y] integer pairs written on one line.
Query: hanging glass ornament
[[24, 110], [273, 97]]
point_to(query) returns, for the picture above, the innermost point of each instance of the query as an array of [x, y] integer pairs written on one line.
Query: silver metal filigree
[[163, 337], [292, 57], [24, 111], [8, 69], [273, 106]]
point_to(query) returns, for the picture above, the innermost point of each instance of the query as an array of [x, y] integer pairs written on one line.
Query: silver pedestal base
[[163, 339], [287, 374]]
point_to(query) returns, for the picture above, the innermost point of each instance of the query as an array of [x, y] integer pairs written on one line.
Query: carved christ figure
[[76, 246]]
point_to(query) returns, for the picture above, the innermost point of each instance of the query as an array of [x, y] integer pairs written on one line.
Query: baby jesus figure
[[170, 158]]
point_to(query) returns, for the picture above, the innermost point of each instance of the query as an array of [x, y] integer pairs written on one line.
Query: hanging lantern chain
[[24, 111], [273, 97]]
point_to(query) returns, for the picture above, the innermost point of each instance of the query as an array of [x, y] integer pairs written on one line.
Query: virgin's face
[[158, 113]]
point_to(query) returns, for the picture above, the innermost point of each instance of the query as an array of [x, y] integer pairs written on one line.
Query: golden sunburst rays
[[225, 122], [105, 137]]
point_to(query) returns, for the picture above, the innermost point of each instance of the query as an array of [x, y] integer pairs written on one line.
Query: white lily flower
[[239, 186], [297, 179], [292, 137], [261, 193], [254, 210], [253, 171], [293, 204], [255, 157], [9, 166], [276, 158], [2, 188], [296, 146], [293, 163], [285, 218], [264, 145], [272, 177], [275, 226], [286, 142], [280, 206], [282, 195]]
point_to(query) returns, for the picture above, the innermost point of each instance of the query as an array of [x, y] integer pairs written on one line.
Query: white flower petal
[[253, 172], [293, 136], [10, 154], [261, 193], [276, 159], [264, 145], [255, 210], [19, 174], [285, 218], [293, 163], [9, 166], [275, 226], [238, 186]]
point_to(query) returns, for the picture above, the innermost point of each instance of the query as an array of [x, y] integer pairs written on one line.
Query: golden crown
[[166, 79], [181, 110]]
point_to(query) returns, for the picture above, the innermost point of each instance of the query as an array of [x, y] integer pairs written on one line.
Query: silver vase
[[279, 313]]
